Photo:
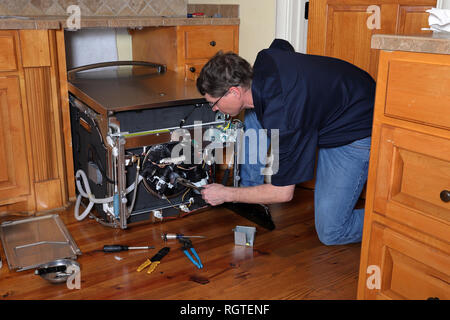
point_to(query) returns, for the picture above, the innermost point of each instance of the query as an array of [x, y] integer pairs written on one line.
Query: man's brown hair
[[223, 71]]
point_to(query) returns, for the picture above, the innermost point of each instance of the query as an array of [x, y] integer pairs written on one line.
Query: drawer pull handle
[[445, 195], [192, 69], [212, 43], [433, 298]]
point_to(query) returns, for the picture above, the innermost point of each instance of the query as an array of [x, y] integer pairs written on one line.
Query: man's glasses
[[213, 104]]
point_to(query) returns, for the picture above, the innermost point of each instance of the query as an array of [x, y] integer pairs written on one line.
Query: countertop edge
[[438, 44], [112, 22]]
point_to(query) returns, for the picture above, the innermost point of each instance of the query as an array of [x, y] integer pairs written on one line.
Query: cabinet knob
[[445, 195], [212, 43], [192, 69], [433, 298]]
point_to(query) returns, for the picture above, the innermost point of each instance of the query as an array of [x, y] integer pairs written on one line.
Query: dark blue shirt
[[314, 102]]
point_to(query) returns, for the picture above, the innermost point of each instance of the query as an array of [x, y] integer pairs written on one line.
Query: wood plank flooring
[[287, 263]]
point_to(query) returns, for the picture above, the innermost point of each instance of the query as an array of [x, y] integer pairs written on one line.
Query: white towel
[[439, 20]]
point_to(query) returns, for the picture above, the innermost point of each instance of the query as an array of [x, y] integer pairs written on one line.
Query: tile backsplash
[[95, 7]]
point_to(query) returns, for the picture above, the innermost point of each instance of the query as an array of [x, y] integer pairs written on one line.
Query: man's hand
[[216, 194]]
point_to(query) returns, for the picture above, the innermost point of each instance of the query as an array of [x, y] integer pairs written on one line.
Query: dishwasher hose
[[86, 193]]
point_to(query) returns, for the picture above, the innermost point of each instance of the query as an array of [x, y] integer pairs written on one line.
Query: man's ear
[[235, 91]]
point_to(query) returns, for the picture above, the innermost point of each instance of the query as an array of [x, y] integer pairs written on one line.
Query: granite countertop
[[436, 42], [58, 22]]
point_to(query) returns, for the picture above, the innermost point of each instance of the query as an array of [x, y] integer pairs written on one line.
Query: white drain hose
[[87, 194]]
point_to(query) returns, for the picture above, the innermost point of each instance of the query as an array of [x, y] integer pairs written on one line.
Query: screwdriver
[[118, 248], [171, 236]]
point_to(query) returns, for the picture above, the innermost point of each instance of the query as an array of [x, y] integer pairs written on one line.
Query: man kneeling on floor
[[320, 106]]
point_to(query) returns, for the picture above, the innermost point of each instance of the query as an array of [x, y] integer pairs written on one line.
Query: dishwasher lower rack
[[113, 153]]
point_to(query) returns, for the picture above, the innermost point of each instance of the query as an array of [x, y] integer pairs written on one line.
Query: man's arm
[[216, 194]]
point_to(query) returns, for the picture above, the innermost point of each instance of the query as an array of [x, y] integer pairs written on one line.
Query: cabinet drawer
[[8, 59], [409, 269], [204, 43], [192, 70], [419, 91], [413, 170]]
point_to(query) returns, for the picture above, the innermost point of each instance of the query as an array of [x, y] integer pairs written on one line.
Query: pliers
[[187, 244], [154, 261]]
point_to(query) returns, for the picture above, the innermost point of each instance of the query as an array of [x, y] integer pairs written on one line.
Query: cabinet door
[[8, 54], [412, 19], [14, 180], [406, 268], [340, 29], [343, 29], [412, 173]]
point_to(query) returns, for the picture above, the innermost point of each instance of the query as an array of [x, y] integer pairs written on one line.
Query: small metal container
[[57, 271], [244, 236]]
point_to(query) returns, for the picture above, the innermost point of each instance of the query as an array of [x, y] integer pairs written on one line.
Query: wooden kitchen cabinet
[[407, 214], [338, 28], [33, 93], [184, 49]]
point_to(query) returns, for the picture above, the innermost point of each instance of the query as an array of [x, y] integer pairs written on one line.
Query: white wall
[[124, 45], [87, 46], [444, 4], [257, 27]]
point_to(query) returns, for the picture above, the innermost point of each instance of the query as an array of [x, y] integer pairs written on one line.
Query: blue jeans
[[340, 178], [251, 172]]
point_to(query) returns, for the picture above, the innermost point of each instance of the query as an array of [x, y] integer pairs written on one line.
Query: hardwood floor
[[287, 263]]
